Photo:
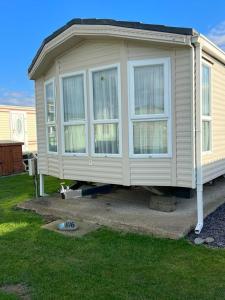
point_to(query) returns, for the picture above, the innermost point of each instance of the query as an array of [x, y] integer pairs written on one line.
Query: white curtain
[[205, 135], [105, 107], [49, 92], [149, 89], [74, 110], [74, 138], [73, 98], [150, 137], [105, 94], [205, 91], [52, 139], [106, 138]]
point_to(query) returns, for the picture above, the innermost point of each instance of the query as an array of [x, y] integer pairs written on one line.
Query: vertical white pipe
[[200, 215], [42, 189], [193, 117]]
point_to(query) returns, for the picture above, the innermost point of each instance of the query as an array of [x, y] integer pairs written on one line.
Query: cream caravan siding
[[41, 131], [6, 113], [174, 171], [214, 163], [31, 131], [5, 132], [184, 114]]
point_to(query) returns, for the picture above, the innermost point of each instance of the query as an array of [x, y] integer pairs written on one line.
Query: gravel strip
[[214, 226]]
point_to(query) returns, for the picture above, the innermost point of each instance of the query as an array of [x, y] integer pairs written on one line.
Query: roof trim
[[210, 48], [125, 24]]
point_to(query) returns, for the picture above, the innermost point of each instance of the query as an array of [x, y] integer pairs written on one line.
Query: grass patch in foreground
[[102, 265]]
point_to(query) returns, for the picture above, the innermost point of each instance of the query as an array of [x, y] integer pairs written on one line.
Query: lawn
[[102, 265]]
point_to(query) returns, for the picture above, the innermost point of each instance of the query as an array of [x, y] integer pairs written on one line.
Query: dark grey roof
[[126, 24]]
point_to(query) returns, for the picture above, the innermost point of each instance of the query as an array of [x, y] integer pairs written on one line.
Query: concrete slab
[[83, 228], [128, 210]]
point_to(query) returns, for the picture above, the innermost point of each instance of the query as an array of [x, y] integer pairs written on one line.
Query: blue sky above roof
[[24, 24]]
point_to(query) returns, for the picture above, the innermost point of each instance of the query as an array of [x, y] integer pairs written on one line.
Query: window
[[149, 93], [206, 108], [51, 115], [74, 115], [105, 92]]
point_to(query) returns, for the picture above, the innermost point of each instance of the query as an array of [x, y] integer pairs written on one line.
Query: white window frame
[[106, 121], [207, 118], [47, 124], [78, 122], [166, 116]]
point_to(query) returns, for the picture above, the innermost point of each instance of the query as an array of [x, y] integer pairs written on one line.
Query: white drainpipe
[[198, 135]]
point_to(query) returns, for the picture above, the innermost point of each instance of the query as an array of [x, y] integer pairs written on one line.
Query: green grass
[[102, 265]]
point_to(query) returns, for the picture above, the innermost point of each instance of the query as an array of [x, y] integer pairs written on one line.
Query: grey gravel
[[214, 227]]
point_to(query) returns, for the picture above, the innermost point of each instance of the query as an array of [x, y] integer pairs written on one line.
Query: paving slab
[[129, 210]]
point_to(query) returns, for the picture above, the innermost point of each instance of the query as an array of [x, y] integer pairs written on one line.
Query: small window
[[206, 108], [149, 84], [51, 116], [105, 96], [206, 136], [74, 115]]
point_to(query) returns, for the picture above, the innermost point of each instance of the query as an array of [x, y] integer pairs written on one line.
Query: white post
[[198, 103], [42, 188]]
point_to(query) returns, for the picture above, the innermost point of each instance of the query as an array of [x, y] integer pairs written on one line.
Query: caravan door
[[18, 127]]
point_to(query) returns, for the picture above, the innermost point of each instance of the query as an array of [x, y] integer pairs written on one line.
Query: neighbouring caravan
[[18, 123], [132, 104]]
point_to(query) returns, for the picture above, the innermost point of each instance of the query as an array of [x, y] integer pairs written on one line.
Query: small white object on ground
[[67, 226], [209, 240], [198, 241]]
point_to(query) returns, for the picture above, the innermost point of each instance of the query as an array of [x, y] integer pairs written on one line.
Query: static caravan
[[130, 103], [18, 123]]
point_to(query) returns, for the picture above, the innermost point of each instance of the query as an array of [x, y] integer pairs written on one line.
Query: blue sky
[[25, 23]]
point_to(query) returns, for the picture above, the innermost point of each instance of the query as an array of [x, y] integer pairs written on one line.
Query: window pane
[[205, 90], [150, 137], [105, 94], [75, 138], [149, 89], [52, 139], [206, 136], [73, 98], [106, 138], [50, 102]]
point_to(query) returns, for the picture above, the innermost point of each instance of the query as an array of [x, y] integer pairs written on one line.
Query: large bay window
[[50, 115], [105, 95], [206, 109], [74, 113], [149, 94]]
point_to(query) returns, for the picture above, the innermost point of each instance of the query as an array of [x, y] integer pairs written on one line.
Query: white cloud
[[217, 34], [9, 97]]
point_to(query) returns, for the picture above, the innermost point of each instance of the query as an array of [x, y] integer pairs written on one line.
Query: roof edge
[[111, 22]]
